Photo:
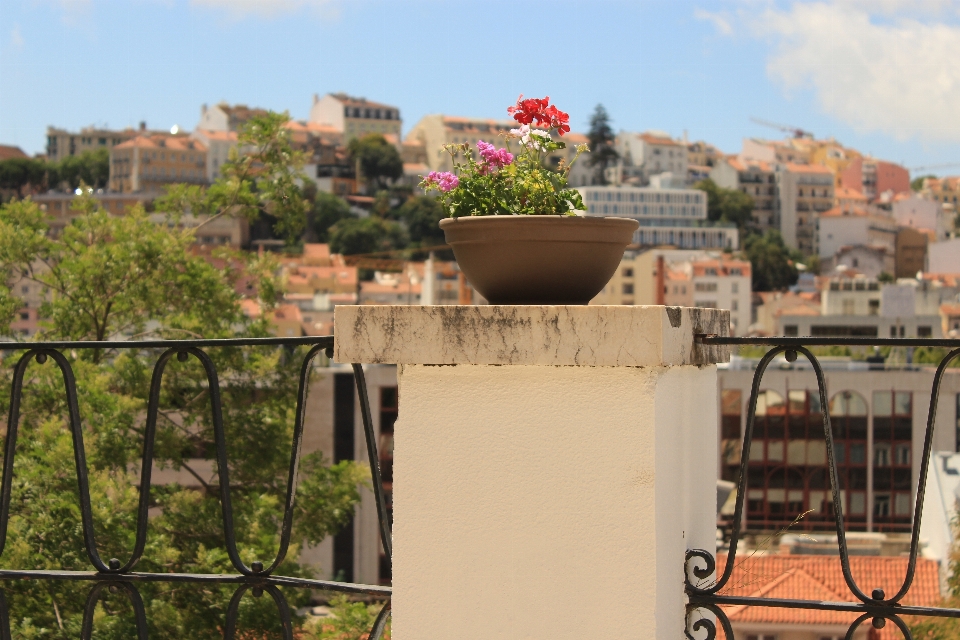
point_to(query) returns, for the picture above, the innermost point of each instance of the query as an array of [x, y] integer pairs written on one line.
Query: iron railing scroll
[[704, 594], [118, 576]]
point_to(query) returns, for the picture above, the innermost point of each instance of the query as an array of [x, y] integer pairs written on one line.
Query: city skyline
[[837, 69]]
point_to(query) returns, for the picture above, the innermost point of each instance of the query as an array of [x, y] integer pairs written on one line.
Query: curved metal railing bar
[[286, 622], [374, 458], [204, 578], [879, 622], [80, 461], [255, 577], [875, 606], [706, 623], [133, 595], [707, 557], [223, 471], [922, 481], [4, 617]]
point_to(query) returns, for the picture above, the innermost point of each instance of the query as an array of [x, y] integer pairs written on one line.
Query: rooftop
[[810, 577]]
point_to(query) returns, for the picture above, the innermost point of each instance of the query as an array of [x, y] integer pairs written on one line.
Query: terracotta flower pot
[[538, 259]]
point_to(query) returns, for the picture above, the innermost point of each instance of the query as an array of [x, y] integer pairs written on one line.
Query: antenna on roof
[[796, 132]]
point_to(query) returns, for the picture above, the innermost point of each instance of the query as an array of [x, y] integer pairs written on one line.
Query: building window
[[924, 332], [628, 272], [790, 330], [628, 288]]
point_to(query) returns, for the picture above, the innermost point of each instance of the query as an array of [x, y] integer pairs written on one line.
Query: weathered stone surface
[[623, 336]]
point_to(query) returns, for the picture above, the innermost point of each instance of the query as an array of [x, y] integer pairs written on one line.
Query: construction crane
[[796, 132], [934, 166]]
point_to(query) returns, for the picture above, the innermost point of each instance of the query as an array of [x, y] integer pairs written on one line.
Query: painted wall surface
[[548, 501]]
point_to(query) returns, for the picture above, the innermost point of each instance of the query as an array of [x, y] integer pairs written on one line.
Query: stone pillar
[[551, 465]]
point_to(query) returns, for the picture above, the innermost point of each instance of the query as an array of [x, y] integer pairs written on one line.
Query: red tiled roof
[[158, 141], [950, 309], [8, 152], [803, 577], [650, 138]]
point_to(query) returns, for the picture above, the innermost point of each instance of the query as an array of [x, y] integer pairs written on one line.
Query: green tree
[[125, 276], [601, 137], [18, 173], [917, 183], [727, 205], [378, 160], [91, 168], [422, 216], [772, 262], [353, 236], [261, 178], [328, 209]]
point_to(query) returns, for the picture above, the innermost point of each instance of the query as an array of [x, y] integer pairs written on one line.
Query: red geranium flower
[[545, 114]]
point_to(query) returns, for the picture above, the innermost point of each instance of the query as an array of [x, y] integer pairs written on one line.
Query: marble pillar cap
[[576, 335]]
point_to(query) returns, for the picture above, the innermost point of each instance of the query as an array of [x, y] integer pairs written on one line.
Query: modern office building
[[879, 419], [676, 217]]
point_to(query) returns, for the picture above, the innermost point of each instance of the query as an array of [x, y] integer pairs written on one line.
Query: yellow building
[[63, 144], [147, 163], [356, 117]]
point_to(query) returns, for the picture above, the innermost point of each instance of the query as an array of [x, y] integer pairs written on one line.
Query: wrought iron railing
[[116, 575], [260, 577], [704, 593]]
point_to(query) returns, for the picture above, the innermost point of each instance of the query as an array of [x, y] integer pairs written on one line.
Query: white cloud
[[720, 22], [16, 38], [868, 62], [238, 9]]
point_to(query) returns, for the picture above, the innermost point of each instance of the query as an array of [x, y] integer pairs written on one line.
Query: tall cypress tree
[[602, 151]]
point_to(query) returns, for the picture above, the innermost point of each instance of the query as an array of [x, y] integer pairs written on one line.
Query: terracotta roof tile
[[803, 577]]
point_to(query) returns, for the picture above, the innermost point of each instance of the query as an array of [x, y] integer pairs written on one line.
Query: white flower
[[532, 138]]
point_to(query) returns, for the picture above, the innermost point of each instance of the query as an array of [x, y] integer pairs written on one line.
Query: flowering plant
[[496, 181]]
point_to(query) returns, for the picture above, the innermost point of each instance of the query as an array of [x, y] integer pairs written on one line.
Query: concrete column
[[550, 476]]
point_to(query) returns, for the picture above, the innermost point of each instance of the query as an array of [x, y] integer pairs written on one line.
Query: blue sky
[[879, 75]]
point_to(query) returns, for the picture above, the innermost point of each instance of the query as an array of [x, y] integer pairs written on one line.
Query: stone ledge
[[615, 336]]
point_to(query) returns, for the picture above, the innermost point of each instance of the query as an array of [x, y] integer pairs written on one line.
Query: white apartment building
[[757, 179], [218, 144], [719, 283], [646, 154], [676, 217], [356, 117], [863, 307], [847, 226], [804, 192], [919, 213]]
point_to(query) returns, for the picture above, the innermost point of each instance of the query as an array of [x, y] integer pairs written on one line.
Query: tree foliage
[[603, 153], [378, 160], [262, 177], [917, 183], [353, 236], [727, 205], [16, 174], [772, 262], [90, 168], [328, 209], [349, 621], [422, 216], [114, 277]]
